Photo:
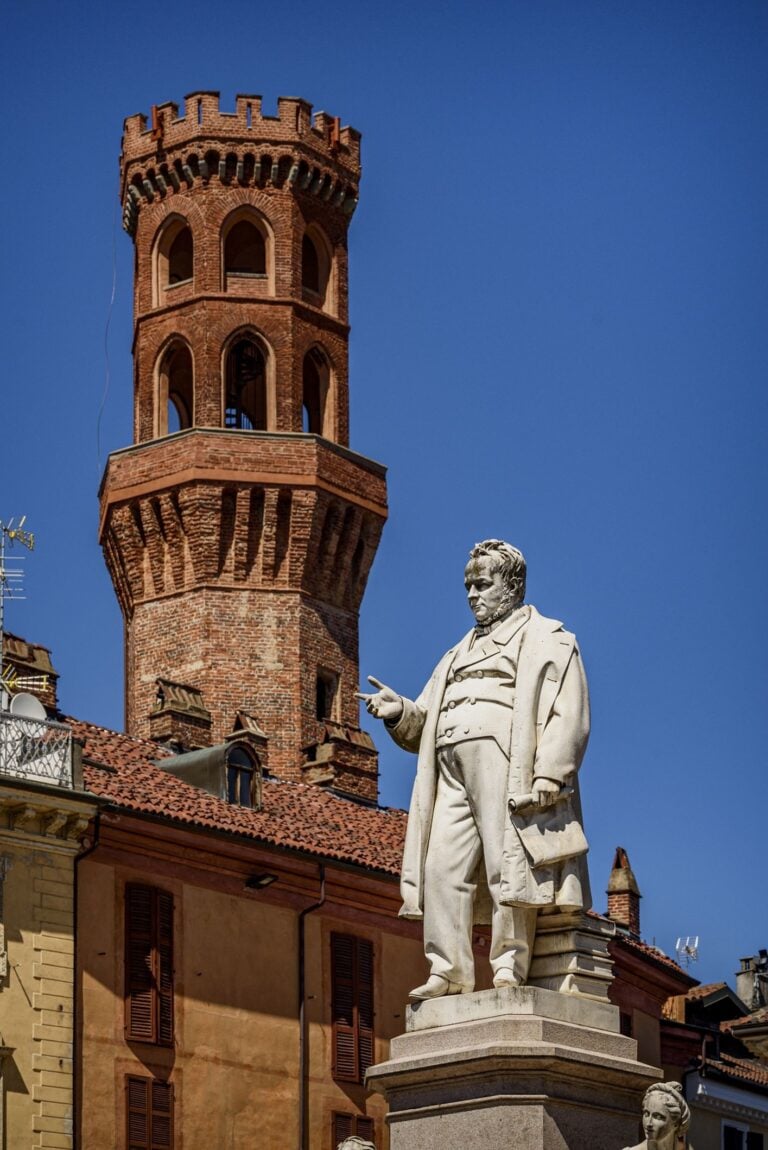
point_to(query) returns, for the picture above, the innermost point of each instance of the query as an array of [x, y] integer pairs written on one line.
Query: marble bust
[[355, 1143], [500, 730], [665, 1117]]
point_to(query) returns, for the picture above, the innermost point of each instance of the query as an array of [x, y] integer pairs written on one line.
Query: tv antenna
[[11, 583], [687, 949]]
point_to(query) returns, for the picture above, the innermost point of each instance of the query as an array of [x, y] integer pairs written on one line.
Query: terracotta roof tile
[[293, 815], [739, 1069], [756, 1018], [704, 990], [651, 952]]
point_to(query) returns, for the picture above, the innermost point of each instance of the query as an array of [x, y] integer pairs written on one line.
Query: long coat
[[547, 740]]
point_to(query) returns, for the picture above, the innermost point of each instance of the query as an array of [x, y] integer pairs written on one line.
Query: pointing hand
[[384, 703]]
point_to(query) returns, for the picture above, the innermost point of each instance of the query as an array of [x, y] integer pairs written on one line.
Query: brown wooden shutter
[[148, 965], [351, 1006], [343, 1007], [137, 1110], [342, 1128], [162, 1116], [149, 1113], [345, 1125], [140, 996], [364, 1005], [165, 968]]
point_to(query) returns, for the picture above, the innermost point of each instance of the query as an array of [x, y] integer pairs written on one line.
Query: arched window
[[174, 262], [315, 268], [180, 261], [245, 252], [315, 380], [310, 266], [245, 404], [175, 391]]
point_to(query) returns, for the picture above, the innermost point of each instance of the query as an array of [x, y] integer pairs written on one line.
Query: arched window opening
[[245, 252], [175, 391], [246, 387], [315, 268], [180, 257], [310, 266], [314, 392]]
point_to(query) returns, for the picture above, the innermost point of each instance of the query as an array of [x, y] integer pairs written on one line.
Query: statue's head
[[494, 578], [665, 1112], [355, 1143]]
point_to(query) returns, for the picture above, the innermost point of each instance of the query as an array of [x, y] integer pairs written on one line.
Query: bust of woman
[[665, 1117]]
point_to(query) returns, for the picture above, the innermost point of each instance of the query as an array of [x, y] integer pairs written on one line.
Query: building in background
[[44, 814]]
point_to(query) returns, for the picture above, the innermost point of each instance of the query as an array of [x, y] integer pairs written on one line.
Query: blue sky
[[558, 298]]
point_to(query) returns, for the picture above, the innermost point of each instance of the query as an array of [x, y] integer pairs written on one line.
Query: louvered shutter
[[351, 1006], [162, 1116], [140, 996], [345, 1125], [137, 1112], [345, 1057], [342, 1128], [164, 919], [148, 965], [364, 1005], [365, 1128]]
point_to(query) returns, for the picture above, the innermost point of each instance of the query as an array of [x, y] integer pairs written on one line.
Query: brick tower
[[239, 529]]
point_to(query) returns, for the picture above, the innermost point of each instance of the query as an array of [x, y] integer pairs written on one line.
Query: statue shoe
[[505, 976], [435, 987]]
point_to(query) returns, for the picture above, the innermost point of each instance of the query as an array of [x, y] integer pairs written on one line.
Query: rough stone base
[[513, 1069]]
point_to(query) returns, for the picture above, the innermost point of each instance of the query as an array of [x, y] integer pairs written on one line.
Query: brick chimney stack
[[624, 894], [239, 529]]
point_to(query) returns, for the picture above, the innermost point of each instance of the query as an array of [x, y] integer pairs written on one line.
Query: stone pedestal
[[513, 1069]]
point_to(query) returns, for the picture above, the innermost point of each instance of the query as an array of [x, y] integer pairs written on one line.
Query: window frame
[[153, 1090], [149, 982], [352, 1006]]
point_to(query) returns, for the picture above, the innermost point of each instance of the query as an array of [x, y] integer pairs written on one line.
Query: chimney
[[752, 980], [624, 895]]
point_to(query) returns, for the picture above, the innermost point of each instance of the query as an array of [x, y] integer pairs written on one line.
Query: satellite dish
[[26, 706]]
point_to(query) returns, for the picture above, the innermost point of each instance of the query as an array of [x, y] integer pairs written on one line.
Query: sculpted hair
[[508, 560], [672, 1093], [355, 1143]]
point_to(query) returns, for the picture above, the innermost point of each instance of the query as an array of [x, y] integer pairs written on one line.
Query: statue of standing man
[[500, 730]]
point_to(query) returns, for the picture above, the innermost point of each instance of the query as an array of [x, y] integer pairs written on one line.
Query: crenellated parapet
[[294, 150]]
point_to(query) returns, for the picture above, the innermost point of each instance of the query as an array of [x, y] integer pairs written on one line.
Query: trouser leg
[[484, 769], [452, 857]]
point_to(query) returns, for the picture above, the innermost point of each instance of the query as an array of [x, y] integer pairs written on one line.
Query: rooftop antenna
[[10, 588], [687, 949]]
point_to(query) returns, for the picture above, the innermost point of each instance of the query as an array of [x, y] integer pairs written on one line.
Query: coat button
[[473, 701], [449, 733], [452, 704], [459, 678], [466, 730], [479, 674]]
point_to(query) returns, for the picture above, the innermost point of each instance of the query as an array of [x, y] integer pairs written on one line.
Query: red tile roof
[[742, 1070], [653, 952], [705, 990], [119, 768]]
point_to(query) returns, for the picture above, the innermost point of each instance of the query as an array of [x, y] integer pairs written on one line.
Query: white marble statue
[[355, 1143], [665, 1117], [500, 730]]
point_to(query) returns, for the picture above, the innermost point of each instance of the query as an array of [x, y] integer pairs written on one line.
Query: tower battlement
[[203, 122]]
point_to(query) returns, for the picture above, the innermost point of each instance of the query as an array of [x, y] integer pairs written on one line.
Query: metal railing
[[36, 750]]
